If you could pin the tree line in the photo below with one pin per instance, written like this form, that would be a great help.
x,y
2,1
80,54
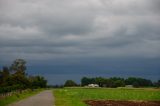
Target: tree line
x,y
14,77
114,82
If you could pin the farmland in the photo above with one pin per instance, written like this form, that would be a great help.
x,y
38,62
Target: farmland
x,y
77,96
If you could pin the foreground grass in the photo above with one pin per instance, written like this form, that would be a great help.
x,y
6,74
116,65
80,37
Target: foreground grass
x,y
17,97
76,96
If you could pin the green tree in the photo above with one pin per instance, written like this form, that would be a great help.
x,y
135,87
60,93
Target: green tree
x,y
157,84
130,80
85,81
100,81
15,78
37,82
109,83
119,83
19,66
70,83
4,75
138,82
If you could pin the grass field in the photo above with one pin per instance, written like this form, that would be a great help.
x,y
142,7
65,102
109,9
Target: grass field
x,y
17,97
76,96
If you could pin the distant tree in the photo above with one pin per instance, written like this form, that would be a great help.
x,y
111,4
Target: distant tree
x,y
19,66
37,82
130,80
119,83
6,71
4,74
15,78
85,81
138,82
109,83
70,83
18,76
104,82
100,81
1,77
157,84
116,78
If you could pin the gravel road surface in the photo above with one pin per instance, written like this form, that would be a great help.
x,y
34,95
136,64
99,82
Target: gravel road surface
x,y
44,98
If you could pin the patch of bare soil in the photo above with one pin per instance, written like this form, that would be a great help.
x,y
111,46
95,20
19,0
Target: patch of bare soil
x,y
121,103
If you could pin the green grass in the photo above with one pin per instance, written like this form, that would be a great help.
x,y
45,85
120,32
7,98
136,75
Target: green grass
x,y
76,96
17,97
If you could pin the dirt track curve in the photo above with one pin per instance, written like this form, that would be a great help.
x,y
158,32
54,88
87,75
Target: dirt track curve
x,y
44,98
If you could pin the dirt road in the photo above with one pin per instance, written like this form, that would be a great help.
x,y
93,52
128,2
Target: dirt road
x,y
44,98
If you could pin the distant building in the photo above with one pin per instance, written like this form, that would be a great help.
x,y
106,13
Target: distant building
x,y
129,86
93,85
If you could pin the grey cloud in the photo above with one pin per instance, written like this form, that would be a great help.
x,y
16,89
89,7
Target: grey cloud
x,y
83,28
74,38
56,18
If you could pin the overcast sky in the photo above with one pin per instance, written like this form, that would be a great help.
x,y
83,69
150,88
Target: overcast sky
x,y
68,39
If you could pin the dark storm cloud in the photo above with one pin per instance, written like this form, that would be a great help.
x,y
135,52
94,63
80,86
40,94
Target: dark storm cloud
x,y
76,31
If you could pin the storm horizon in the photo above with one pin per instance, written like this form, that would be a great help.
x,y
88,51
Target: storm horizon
x,y
70,39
